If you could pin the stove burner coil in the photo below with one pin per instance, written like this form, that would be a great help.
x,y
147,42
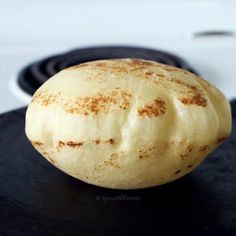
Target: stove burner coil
x,y
34,75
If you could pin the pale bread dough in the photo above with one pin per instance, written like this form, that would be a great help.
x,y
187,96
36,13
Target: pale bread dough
x,y
127,123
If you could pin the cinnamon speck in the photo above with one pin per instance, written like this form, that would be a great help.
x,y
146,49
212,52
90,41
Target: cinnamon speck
x,y
154,109
61,143
44,98
51,160
194,97
197,99
114,100
112,161
136,62
148,73
111,141
177,172
220,140
203,148
113,155
74,144
36,143
97,141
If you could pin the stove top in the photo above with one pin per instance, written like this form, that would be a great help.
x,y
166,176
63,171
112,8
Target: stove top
x,y
206,43
35,74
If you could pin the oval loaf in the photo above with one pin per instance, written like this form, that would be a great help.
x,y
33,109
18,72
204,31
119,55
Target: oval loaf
x,y
127,123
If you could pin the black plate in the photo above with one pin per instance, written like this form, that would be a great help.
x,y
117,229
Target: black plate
x,y
38,199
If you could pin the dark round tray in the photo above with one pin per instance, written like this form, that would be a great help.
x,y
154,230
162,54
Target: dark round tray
x,y
38,199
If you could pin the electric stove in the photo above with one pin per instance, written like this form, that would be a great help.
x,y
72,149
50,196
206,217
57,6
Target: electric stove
x,y
41,38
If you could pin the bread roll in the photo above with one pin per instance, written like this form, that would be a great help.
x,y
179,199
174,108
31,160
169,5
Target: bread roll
x,y
127,123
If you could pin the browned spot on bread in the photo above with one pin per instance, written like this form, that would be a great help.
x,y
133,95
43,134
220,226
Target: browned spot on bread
x,y
125,94
195,100
117,99
126,99
139,68
220,140
203,148
81,175
61,144
88,105
36,143
194,94
115,92
168,68
37,96
111,141
44,98
137,62
190,166
114,155
189,148
144,153
120,68
177,172
112,161
51,160
74,144
187,85
148,73
97,141
186,151
152,151
113,65
159,75
100,64
154,109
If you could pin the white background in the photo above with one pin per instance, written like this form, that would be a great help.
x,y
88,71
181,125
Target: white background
x,y
30,30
